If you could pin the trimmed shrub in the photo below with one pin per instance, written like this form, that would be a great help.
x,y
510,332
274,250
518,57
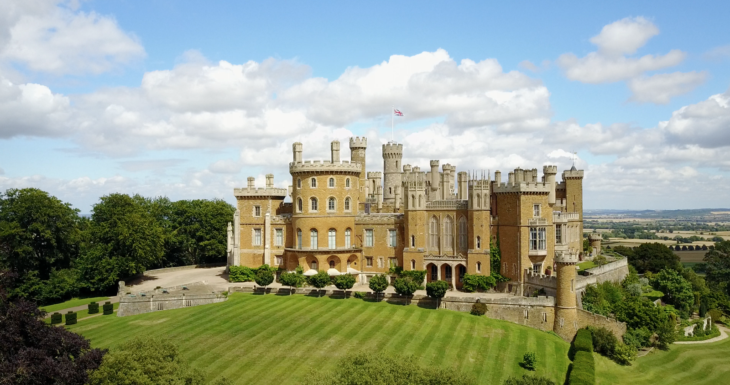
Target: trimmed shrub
x,y
378,284
70,318
478,309
108,308
638,338
583,341
474,282
529,380
604,342
584,369
359,295
56,318
93,308
437,290
241,274
345,281
623,354
529,360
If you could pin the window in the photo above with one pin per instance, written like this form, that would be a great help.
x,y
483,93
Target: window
x,y
299,239
392,262
536,268
312,204
347,182
462,272
462,233
347,204
313,239
299,183
369,238
479,267
433,236
313,182
380,261
479,242
413,241
331,206
392,238
332,182
390,190
413,264
332,239
299,205
448,233
313,265
257,211
479,200
413,201
347,238
434,273
279,238
279,260
332,264
535,210
572,287
537,238
559,234
257,237
447,271
369,261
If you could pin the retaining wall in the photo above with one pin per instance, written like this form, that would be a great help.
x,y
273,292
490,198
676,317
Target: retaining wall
x,y
129,305
586,318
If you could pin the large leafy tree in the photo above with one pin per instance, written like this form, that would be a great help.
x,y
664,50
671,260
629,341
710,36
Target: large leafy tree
x,y
33,352
718,266
676,289
123,239
198,230
653,257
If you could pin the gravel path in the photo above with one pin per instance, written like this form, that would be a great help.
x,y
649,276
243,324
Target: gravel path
x,y
722,336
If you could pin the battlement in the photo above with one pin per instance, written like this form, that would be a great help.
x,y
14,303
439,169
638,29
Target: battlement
x,y
324,166
595,237
562,217
375,175
407,168
522,187
392,148
549,169
539,279
480,184
358,142
572,174
450,204
434,163
260,192
568,257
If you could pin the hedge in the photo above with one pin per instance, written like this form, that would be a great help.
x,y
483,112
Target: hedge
x,y
93,308
70,318
584,369
108,308
474,282
583,341
56,318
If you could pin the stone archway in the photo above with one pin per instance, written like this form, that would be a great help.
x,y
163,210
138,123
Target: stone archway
x,y
460,271
333,262
432,273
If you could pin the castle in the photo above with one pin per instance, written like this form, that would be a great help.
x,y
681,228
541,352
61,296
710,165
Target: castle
x,y
345,220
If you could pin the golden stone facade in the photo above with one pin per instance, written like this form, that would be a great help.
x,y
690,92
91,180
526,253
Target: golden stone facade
x,y
342,219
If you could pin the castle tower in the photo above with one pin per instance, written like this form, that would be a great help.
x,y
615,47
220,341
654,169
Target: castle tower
x,y
415,219
566,313
297,151
392,157
479,223
573,182
549,173
434,195
595,241
335,148
358,146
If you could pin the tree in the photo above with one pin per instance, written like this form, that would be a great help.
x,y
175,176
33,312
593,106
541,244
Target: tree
x,y
378,284
653,257
264,276
345,282
291,279
146,361
529,361
676,289
405,286
123,240
33,352
437,290
196,230
320,280
717,266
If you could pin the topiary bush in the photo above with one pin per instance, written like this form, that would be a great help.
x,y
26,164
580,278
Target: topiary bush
x,y
359,295
529,361
479,309
70,318
583,370
93,308
56,318
108,308
583,341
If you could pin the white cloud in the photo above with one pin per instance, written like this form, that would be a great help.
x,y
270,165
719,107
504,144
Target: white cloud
x,y
624,36
33,110
595,68
705,123
54,37
718,53
661,88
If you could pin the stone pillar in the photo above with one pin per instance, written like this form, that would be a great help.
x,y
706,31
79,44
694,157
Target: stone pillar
x,y
251,183
435,179
462,190
335,147
438,272
453,278
566,313
269,180
297,150
549,172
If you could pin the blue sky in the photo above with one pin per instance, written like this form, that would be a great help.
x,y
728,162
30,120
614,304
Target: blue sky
x,y
188,98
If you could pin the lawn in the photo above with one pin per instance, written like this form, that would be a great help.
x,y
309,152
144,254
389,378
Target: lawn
x,y
73,303
280,339
682,364
586,265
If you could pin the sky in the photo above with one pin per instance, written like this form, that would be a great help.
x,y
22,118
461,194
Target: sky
x,y
186,99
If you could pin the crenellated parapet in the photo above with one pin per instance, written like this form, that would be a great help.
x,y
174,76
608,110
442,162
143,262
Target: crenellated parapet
x,y
566,257
379,218
522,187
261,192
563,217
392,151
539,279
572,174
318,166
358,142
375,175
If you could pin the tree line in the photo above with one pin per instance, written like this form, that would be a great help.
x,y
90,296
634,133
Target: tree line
x,y
58,253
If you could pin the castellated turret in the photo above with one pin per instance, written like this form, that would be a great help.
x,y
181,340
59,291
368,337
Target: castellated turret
x,y
392,157
549,173
479,193
358,146
414,190
566,315
297,150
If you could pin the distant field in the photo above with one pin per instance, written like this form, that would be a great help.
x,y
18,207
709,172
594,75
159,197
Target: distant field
x,y
73,303
279,339
682,364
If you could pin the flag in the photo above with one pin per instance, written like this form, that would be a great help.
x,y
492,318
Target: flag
x,y
397,112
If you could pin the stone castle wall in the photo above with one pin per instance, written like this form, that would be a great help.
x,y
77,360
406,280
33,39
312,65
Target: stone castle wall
x,y
586,318
156,302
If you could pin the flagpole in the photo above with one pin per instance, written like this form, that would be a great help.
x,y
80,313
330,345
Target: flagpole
x,y
392,117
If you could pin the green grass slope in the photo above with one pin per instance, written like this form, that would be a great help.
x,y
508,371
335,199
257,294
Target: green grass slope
x,y
682,364
73,303
280,339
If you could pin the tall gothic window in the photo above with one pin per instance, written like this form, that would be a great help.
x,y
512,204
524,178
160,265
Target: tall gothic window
x,y
332,182
347,204
299,239
347,238
331,204
299,204
433,234
313,204
332,239
462,233
347,182
313,239
537,238
448,232
313,182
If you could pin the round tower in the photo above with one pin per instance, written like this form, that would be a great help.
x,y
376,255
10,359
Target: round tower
x,y
566,313
595,241
358,146
392,157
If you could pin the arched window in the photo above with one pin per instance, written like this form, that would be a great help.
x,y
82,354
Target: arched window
x,y
347,182
332,182
331,204
332,239
313,239
413,264
479,267
299,239
462,272
413,201
479,201
420,201
397,164
332,264
448,232
299,205
479,242
313,265
313,182
347,204
347,238
462,233
299,183
434,233
390,190
313,204
413,241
